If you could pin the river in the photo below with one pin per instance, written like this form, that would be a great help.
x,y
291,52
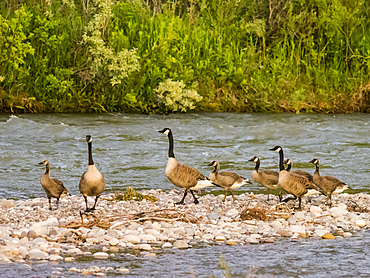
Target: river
x,y
129,151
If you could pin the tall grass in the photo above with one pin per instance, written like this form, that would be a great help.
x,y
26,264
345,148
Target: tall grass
x,y
242,56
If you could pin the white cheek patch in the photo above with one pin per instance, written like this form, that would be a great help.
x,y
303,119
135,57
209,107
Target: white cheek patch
x,y
278,149
90,140
255,160
167,131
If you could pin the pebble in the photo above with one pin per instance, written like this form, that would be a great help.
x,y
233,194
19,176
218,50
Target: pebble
x,y
38,231
328,236
180,244
101,255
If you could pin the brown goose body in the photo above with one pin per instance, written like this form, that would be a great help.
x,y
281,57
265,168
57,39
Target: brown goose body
x,y
292,183
329,184
301,173
226,179
181,175
52,187
92,182
268,178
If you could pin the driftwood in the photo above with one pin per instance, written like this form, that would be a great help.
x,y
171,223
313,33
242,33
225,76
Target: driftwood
x,y
89,220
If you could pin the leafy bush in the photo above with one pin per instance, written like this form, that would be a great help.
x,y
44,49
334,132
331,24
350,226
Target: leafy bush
x,y
172,96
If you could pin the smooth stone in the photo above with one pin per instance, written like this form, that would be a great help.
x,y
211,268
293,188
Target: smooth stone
x,y
315,210
123,270
220,238
180,244
297,229
31,234
151,255
69,259
113,241
338,211
284,233
167,245
328,236
7,203
347,234
208,236
74,269
145,247
37,254
252,240
55,258
148,238
101,255
268,240
361,223
132,238
231,242
300,215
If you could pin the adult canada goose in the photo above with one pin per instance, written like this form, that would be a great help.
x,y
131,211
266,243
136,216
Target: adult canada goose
x,y
268,178
328,184
226,180
312,188
181,175
92,181
291,182
53,187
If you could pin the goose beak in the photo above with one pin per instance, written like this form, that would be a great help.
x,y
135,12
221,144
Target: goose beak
x,y
40,163
251,159
210,164
311,161
271,149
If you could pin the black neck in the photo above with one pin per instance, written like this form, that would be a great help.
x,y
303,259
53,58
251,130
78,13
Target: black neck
x,y
257,165
170,149
289,167
217,167
47,169
91,161
281,162
317,168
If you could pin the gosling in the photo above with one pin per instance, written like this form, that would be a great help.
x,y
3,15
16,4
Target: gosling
x,y
226,180
53,187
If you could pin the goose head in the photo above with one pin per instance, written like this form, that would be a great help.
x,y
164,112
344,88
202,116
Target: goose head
x,y
213,163
44,162
288,162
314,161
254,159
88,138
166,131
276,149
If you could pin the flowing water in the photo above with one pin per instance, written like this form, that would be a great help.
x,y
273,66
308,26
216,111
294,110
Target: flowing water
x,y
129,151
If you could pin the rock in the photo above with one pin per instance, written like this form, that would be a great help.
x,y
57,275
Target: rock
x,y
23,252
347,234
151,255
361,223
167,245
101,255
113,241
180,244
132,238
7,203
145,247
252,240
284,233
55,258
148,238
231,242
297,229
123,270
328,236
315,210
37,254
73,269
338,211
300,215
31,234
220,238
208,236
268,240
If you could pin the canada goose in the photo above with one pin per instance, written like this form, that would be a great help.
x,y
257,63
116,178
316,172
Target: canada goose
x,y
181,175
312,188
328,184
291,182
92,181
53,187
226,180
268,178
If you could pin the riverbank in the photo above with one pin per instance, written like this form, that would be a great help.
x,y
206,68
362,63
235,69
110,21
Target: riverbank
x,y
29,231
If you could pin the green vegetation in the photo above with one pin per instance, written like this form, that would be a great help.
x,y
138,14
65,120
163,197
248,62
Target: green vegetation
x,y
163,56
